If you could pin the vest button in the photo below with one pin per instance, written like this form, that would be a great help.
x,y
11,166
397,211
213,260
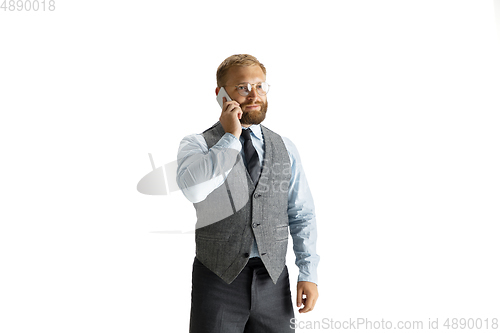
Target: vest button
x,y
257,195
254,225
246,255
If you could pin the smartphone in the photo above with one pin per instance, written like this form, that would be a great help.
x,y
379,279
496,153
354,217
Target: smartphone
x,y
222,93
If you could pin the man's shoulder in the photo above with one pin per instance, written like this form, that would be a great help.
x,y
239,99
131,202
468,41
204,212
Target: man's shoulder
x,y
288,143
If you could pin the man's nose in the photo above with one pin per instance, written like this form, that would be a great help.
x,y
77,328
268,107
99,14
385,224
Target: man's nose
x,y
253,93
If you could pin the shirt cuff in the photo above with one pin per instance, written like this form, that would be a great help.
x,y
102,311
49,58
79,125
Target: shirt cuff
x,y
228,140
308,273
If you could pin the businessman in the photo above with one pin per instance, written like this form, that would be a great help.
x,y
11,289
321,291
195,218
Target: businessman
x,y
250,192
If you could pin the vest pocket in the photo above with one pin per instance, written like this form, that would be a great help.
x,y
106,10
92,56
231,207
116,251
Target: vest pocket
x,y
212,237
281,232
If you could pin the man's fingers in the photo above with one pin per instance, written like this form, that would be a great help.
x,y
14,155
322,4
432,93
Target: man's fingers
x,y
299,297
305,308
310,292
309,304
230,106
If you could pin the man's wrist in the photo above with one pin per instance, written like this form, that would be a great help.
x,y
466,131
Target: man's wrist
x,y
307,281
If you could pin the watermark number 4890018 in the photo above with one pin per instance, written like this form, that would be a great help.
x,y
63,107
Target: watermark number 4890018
x,y
28,5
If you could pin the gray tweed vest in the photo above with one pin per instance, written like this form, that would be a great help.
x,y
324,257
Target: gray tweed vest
x,y
238,211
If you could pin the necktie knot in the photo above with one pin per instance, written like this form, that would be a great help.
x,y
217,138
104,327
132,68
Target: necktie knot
x,y
245,133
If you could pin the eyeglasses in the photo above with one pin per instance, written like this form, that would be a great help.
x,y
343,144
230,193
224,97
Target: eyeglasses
x,y
244,89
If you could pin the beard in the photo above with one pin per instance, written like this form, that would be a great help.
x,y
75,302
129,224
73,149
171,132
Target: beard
x,y
254,117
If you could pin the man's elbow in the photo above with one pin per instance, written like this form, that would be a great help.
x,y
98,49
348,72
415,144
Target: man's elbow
x,y
191,192
193,196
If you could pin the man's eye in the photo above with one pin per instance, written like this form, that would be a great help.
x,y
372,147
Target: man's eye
x,y
242,88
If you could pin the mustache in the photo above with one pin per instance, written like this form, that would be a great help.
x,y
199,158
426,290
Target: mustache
x,y
256,103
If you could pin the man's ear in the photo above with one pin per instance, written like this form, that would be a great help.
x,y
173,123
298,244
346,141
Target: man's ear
x,y
217,90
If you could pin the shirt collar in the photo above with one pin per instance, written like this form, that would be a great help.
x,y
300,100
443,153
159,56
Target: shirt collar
x,y
256,130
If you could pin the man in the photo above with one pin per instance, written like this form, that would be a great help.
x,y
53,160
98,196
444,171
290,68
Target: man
x,y
248,188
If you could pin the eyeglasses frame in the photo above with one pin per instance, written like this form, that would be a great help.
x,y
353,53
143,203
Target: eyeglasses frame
x,y
251,85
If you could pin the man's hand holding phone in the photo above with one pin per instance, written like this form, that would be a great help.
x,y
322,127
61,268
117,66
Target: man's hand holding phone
x,y
230,117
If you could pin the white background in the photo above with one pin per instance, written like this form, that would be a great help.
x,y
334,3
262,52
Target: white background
x,y
393,105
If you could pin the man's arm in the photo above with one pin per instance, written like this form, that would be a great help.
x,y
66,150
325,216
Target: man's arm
x,y
302,222
201,170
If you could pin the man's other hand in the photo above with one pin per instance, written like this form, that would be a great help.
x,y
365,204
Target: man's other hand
x,y
310,291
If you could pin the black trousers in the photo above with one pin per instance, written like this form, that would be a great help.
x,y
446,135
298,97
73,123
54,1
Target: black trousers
x,y
252,303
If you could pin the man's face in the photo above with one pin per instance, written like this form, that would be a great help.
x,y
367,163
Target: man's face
x,y
254,106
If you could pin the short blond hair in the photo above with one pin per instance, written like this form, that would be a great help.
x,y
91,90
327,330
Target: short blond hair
x,y
236,60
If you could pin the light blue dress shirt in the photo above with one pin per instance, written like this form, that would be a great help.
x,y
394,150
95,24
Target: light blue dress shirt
x,y
200,172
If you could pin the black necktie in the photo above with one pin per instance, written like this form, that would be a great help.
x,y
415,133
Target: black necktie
x,y
251,156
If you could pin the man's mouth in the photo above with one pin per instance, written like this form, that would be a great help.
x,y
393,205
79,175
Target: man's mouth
x,y
252,107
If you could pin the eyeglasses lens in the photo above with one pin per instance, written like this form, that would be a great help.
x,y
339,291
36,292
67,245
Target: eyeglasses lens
x,y
262,89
